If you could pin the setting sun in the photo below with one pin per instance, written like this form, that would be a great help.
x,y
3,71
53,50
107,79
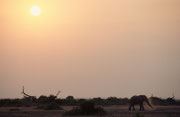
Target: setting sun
x,y
35,10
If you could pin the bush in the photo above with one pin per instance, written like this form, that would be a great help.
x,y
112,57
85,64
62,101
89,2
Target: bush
x,y
86,108
165,102
13,103
53,106
98,101
100,111
170,101
50,106
69,98
157,101
45,99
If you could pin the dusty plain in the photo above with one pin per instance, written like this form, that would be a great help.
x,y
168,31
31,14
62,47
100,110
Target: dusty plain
x,y
113,111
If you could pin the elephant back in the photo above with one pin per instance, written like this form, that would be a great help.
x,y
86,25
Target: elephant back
x,y
138,99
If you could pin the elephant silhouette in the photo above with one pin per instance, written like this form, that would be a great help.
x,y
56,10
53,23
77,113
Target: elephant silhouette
x,y
139,100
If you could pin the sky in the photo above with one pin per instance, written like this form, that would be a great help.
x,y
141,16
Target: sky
x,y
90,48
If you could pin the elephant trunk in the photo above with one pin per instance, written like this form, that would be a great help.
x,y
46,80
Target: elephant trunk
x,y
148,103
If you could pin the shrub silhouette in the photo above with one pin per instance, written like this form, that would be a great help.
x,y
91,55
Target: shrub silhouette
x,y
69,98
53,106
70,101
116,101
11,102
50,106
157,101
98,101
86,108
45,99
15,103
170,101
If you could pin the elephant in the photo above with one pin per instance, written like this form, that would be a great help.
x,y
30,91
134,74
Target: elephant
x,y
139,100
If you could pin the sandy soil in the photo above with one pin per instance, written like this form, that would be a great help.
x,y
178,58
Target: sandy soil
x,y
113,111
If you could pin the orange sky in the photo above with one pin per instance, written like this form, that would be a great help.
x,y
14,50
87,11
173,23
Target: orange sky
x,y
90,48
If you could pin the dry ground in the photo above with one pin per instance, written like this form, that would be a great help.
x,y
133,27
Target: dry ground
x,y
113,111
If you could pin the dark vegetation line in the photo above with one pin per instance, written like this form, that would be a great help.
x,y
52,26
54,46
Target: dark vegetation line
x,y
83,106
70,101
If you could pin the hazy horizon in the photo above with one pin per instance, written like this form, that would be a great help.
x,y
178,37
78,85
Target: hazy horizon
x,y
90,48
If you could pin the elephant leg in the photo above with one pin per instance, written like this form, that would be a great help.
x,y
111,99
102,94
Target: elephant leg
x,y
130,107
140,107
133,108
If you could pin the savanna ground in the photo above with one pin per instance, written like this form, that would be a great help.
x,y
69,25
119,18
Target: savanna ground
x,y
112,111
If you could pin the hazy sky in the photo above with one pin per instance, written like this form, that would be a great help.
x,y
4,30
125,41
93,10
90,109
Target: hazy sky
x,y
90,48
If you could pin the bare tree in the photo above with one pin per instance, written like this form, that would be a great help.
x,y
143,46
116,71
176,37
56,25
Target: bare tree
x,y
28,97
47,99
53,97
58,94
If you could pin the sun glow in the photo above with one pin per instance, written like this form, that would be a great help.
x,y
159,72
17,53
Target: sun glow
x,y
35,10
